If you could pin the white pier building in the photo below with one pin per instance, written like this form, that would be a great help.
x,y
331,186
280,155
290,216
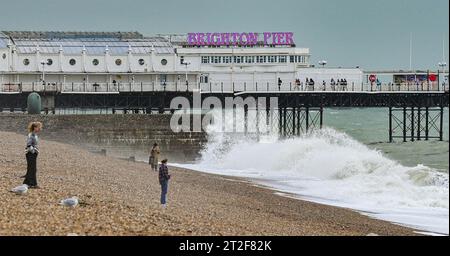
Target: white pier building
x,y
104,61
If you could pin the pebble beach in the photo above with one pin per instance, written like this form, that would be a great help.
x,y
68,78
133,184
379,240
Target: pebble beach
x,y
120,197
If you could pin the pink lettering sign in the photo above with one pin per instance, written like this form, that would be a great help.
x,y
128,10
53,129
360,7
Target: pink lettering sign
x,y
240,39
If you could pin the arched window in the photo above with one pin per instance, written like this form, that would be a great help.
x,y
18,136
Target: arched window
x,y
95,62
26,62
141,62
72,62
49,62
118,62
163,62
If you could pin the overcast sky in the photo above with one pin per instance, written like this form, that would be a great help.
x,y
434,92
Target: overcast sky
x,y
367,33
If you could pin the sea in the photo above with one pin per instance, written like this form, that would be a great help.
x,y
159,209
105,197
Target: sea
x,y
349,163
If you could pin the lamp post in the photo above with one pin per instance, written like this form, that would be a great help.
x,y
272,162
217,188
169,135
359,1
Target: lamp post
x,y
186,64
43,63
442,65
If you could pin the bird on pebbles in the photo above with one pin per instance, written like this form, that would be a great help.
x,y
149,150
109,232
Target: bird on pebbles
x,y
20,190
70,202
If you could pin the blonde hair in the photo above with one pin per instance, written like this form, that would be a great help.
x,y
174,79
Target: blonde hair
x,y
33,125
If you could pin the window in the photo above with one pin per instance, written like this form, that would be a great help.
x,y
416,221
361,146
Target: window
x,y
204,79
95,62
118,62
226,59
205,59
181,60
4,55
141,62
292,59
272,59
249,59
163,62
26,62
163,79
238,59
282,59
49,62
261,59
216,59
72,62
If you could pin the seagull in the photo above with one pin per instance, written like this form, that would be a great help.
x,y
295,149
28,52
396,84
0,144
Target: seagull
x,y
20,190
71,202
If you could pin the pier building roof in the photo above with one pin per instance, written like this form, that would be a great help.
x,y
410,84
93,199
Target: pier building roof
x,y
115,43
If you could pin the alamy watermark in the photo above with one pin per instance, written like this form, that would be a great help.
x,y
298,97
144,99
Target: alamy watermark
x,y
237,115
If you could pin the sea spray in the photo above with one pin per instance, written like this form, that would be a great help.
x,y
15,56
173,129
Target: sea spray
x,y
330,167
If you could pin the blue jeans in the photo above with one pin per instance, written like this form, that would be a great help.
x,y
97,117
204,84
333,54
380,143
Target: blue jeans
x,y
164,188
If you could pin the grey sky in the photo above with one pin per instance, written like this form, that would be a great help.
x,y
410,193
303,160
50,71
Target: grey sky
x,y
371,34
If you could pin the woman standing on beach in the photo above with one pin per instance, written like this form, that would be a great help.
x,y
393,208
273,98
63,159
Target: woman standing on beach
x,y
32,152
154,157
164,178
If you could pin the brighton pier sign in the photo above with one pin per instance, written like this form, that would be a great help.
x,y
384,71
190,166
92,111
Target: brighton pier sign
x,y
245,39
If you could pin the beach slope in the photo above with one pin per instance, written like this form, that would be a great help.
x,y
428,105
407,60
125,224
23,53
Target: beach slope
x,y
118,197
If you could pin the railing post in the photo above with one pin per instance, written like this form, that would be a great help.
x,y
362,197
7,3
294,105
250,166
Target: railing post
x,y
245,86
32,86
267,86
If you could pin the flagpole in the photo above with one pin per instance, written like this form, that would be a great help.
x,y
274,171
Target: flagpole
x,y
410,52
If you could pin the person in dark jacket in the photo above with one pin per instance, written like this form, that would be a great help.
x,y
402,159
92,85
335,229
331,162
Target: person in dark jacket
x,y
164,178
32,152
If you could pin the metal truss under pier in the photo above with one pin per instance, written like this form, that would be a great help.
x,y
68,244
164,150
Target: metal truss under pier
x,y
413,115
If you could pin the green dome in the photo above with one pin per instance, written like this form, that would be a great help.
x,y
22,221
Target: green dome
x,y
34,104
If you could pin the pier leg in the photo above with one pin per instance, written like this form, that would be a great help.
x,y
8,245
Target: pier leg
x,y
390,125
418,124
269,121
257,121
427,114
321,117
294,123
245,119
280,121
404,124
412,124
441,124
307,119
285,122
299,110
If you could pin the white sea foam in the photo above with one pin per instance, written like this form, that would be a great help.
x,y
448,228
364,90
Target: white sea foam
x,y
332,168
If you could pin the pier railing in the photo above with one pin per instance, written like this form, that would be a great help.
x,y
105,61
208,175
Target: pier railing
x,y
214,87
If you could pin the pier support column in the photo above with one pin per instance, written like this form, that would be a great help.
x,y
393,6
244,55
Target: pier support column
x,y
390,125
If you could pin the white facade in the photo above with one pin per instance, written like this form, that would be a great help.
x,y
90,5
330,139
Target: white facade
x,y
74,60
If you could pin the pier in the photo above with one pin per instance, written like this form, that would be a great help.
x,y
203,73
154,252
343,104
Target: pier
x,y
413,114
